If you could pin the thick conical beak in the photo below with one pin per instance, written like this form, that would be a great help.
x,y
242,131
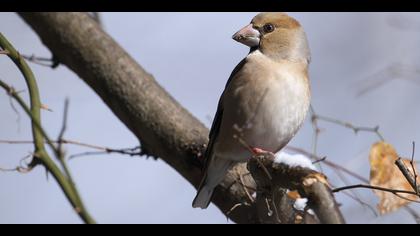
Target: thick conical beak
x,y
248,36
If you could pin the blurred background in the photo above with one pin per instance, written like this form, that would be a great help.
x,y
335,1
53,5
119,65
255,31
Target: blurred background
x,y
365,69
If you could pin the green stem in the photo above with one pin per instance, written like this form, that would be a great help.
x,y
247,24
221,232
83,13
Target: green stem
x,y
39,134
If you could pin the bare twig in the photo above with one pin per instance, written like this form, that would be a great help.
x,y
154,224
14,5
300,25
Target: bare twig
x,y
349,125
320,160
22,168
316,131
414,168
393,71
362,203
353,194
42,61
63,129
245,187
407,174
328,162
236,206
135,151
4,52
315,118
406,198
394,191
413,213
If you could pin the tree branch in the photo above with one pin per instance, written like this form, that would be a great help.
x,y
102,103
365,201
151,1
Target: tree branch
x,y
394,191
42,61
309,183
408,175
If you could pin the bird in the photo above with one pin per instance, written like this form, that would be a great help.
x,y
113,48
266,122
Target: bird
x,y
265,101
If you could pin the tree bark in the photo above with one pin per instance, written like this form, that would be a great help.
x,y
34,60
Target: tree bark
x,y
270,176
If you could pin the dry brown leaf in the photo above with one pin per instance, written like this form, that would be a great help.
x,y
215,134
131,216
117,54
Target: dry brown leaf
x,y
384,173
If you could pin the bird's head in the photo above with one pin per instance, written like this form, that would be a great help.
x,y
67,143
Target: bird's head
x,y
276,35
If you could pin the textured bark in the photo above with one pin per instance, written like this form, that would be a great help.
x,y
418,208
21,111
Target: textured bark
x,y
271,176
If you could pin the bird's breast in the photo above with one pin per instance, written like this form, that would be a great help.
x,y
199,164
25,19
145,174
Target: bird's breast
x,y
268,110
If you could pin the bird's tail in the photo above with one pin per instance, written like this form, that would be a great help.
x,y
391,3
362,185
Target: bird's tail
x,y
202,200
215,172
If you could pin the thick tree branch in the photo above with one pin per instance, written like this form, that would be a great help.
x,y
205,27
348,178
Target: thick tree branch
x,y
309,183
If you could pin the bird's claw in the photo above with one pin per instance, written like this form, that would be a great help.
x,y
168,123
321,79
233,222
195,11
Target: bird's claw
x,y
259,151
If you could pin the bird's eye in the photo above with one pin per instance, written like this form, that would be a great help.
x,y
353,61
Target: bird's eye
x,y
268,28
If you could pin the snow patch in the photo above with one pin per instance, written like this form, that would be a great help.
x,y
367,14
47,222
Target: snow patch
x,y
300,205
294,160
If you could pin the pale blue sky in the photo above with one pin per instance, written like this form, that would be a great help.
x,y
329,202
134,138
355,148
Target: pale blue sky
x,y
192,55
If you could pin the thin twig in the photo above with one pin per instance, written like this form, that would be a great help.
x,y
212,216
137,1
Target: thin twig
x,y
319,160
406,198
42,61
21,168
4,52
63,129
364,204
414,168
407,174
355,196
236,206
246,189
273,203
413,213
349,125
128,151
316,130
61,158
328,162
135,151
83,154
394,191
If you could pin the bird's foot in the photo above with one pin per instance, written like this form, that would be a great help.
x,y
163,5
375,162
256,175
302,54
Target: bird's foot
x,y
259,151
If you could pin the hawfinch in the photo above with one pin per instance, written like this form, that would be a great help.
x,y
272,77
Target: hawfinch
x,y
265,100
